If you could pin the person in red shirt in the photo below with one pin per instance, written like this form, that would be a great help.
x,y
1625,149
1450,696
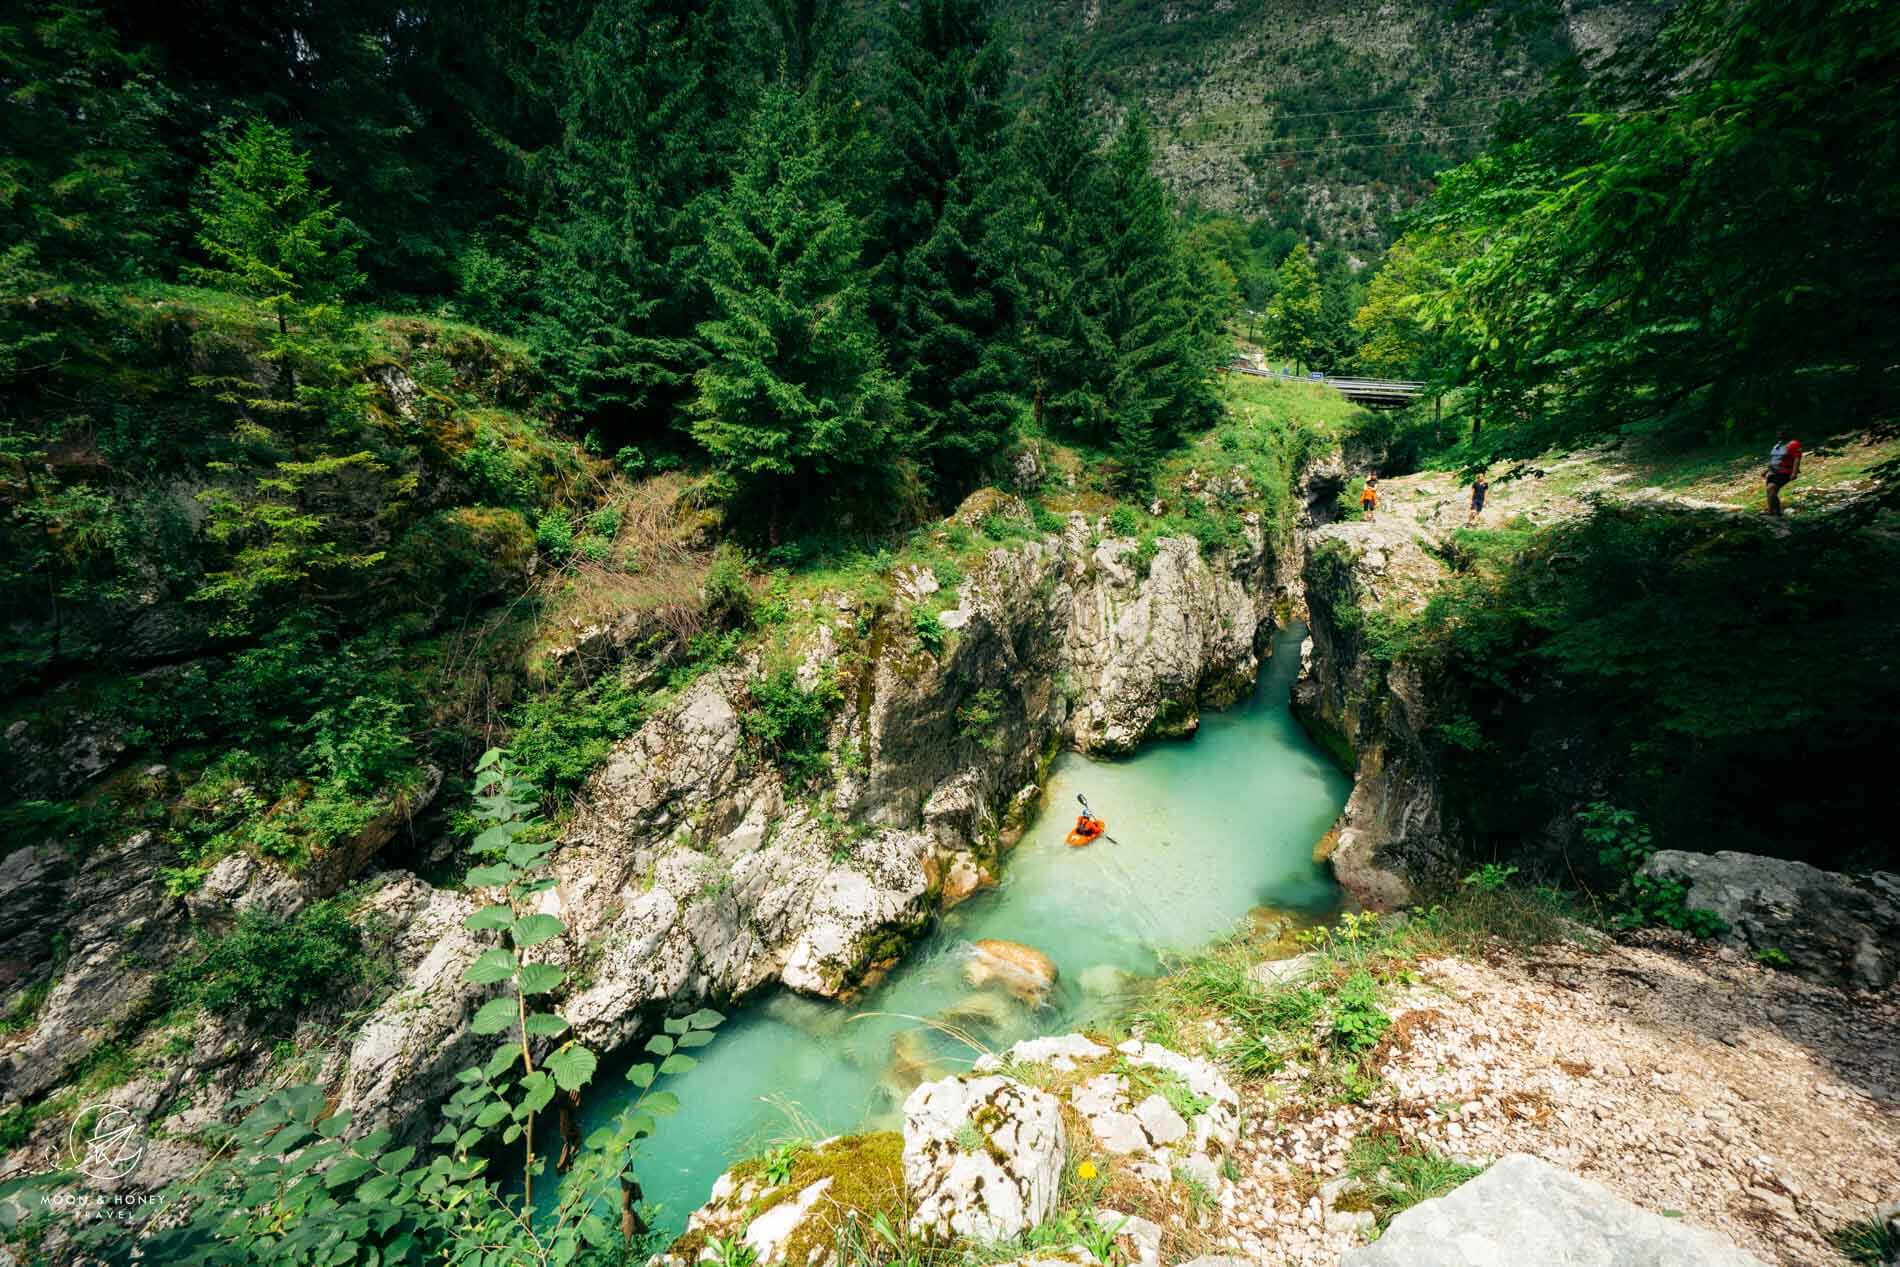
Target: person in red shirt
x,y
1784,463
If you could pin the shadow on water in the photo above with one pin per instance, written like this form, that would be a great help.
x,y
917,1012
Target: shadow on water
x,y
1209,829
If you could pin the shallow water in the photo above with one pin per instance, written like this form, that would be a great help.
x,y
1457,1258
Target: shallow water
x,y
1205,830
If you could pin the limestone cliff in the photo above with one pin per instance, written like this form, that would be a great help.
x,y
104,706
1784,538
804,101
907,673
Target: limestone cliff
x,y
693,870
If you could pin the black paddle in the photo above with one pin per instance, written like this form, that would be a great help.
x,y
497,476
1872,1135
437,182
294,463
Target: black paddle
x,y
1091,813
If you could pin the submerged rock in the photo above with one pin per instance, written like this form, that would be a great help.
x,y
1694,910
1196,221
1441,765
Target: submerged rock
x,y
1023,970
982,1157
1839,929
1523,1210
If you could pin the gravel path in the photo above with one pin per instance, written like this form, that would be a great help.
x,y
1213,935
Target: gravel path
x,y
1687,1079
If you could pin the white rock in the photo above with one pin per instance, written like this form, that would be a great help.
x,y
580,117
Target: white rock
x,y
998,1190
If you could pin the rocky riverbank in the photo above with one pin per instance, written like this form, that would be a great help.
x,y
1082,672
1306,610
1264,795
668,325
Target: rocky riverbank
x,y
694,868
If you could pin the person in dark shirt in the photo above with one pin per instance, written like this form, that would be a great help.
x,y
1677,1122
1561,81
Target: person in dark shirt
x,y
1479,487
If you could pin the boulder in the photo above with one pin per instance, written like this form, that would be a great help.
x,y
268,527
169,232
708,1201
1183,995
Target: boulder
x,y
1523,1210
1147,1118
1138,1239
796,1221
1064,1052
1023,970
1838,929
982,1157
1278,972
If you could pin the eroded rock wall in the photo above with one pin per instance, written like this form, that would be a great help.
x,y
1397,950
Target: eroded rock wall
x,y
693,869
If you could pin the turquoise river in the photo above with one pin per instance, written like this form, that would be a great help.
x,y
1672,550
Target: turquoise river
x,y
1206,830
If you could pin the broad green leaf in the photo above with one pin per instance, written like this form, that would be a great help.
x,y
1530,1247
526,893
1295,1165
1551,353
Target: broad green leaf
x,y
344,1171
494,965
705,1018
396,1160
660,1045
379,1188
495,875
540,978
640,1075
675,1025
505,1055
642,1125
491,1115
546,1025
497,916
698,1038
539,1089
496,1015
572,1066
677,1064
661,1103
532,930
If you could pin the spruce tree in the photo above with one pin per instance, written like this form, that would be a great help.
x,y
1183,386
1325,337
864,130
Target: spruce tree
x,y
795,393
1066,346
1293,314
649,127
1160,382
945,290
266,232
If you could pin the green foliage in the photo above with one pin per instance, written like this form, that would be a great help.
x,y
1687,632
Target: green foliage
x,y
1293,314
559,736
1678,644
292,1186
1124,521
925,623
787,723
650,100
271,967
795,395
977,717
1357,1023
1489,878
728,589
1869,1242
1664,191
1773,957
947,289
1394,1176
266,232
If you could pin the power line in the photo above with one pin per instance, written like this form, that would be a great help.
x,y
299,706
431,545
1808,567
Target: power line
x,y
1320,114
1445,134
1337,136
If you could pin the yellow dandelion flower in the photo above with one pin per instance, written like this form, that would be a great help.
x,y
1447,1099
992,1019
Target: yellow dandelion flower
x,y
1086,1170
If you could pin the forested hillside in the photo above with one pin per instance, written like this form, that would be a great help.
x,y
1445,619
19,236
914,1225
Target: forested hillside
x,y
754,436
1328,117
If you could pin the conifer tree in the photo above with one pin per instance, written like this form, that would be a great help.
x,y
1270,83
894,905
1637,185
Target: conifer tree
x,y
649,126
1160,381
1065,343
266,232
796,391
945,288
1293,314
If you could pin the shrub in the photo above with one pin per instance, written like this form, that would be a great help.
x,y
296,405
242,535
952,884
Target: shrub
x,y
268,966
977,716
1047,520
498,476
558,738
788,722
728,591
928,628
1123,521
554,534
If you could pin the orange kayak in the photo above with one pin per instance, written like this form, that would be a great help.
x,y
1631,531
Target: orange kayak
x,y
1086,832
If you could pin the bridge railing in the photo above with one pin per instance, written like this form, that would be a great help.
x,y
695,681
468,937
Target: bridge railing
x,y
1347,385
